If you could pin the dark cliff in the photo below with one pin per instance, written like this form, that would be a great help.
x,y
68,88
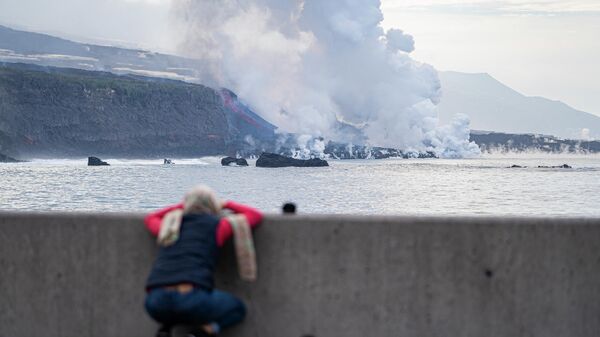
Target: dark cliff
x,y
59,112
506,142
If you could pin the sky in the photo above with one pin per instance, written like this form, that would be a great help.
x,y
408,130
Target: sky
x,y
543,48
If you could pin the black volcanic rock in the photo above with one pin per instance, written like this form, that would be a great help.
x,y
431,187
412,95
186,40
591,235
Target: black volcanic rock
x,y
94,161
422,155
564,166
273,160
7,159
227,161
345,151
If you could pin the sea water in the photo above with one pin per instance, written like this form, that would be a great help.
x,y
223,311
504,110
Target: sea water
x,y
483,186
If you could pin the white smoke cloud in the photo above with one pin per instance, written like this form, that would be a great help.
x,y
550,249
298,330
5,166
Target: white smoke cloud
x,y
585,134
452,141
307,146
311,66
397,40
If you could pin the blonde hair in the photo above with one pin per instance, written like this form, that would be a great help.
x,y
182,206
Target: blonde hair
x,y
199,200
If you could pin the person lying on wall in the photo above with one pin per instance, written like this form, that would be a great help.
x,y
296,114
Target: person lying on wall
x,y
180,287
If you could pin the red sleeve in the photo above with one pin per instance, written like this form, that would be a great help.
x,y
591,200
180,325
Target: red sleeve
x,y
154,219
224,230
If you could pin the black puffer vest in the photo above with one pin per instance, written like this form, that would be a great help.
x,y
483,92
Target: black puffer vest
x,y
192,258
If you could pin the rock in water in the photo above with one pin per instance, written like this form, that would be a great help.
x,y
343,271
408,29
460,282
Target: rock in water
x,y
564,166
94,161
227,161
275,160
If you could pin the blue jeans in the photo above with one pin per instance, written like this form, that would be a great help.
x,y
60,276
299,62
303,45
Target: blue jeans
x,y
198,307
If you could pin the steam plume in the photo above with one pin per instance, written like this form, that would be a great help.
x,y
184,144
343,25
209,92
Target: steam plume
x,y
320,68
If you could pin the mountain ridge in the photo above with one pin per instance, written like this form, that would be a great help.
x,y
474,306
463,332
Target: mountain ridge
x,y
494,106
46,50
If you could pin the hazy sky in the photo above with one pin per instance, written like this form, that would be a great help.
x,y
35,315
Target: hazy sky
x,y
546,48
541,48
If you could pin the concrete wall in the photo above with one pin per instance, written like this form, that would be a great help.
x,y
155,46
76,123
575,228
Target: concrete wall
x,y
83,275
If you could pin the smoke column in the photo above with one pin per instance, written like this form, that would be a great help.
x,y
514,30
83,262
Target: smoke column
x,y
324,68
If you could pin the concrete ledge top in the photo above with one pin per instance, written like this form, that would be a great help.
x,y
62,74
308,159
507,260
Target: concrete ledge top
x,y
349,218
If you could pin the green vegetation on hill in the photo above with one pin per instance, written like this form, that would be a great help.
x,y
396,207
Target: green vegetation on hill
x,y
7,159
50,112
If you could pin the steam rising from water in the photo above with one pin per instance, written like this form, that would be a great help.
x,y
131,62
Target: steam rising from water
x,y
323,68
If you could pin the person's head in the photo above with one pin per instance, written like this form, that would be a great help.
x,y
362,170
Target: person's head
x,y
201,200
289,208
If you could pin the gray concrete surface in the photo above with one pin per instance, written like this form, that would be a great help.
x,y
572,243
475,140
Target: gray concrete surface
x,y
83,275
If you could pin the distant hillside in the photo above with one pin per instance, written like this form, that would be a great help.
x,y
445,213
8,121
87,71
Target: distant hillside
x,y
505,142
495,107
42,49
58,112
